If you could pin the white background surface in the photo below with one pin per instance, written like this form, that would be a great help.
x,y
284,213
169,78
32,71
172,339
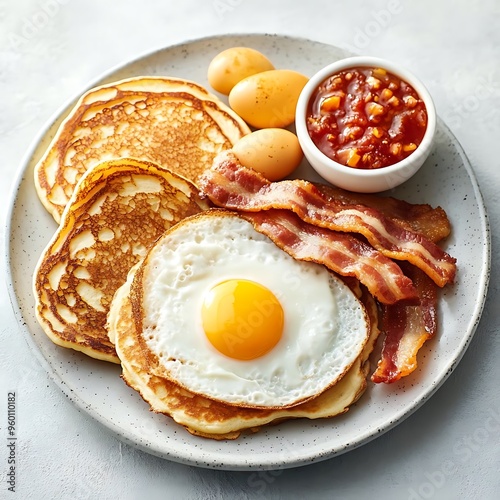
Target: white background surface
x,y
448,449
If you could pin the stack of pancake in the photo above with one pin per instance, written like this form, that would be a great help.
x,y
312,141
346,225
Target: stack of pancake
x,y
120,173
211,418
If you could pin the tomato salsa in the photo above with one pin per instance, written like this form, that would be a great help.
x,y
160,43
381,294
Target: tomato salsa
x,y
366,118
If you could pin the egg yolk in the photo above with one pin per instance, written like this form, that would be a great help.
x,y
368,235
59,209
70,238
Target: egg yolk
x,y
242,319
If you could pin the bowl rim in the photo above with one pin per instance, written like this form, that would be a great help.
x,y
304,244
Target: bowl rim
x,y
365,61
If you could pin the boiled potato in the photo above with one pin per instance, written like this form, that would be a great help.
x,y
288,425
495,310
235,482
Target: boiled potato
x,y
268,99
233,65
274,152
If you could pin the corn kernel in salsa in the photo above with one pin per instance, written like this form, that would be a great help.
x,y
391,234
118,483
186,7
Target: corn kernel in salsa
x,y
366,118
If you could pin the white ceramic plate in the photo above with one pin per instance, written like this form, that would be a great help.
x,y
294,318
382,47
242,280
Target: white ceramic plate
x,y
446,179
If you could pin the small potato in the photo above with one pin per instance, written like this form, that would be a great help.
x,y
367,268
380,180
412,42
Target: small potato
x,y
233,65
274,152
268,99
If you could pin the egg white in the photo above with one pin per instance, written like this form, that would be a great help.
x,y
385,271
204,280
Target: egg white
x,y
325,326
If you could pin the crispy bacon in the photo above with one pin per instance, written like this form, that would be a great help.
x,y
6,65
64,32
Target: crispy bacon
x,y
406,329
228,184
342,253
430,222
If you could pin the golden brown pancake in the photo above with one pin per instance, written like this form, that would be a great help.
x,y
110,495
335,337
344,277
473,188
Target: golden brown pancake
x,y
211,419
175,123
118,209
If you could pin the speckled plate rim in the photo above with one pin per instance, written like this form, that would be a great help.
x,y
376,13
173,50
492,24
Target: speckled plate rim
x,y
230,460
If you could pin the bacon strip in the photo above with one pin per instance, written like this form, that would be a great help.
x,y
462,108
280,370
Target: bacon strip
x,y
230,185
430,222
406,329
343,253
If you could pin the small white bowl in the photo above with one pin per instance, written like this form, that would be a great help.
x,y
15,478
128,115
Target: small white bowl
x,y
357,179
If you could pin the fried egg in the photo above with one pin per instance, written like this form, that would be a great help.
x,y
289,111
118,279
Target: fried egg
x,y
232,317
